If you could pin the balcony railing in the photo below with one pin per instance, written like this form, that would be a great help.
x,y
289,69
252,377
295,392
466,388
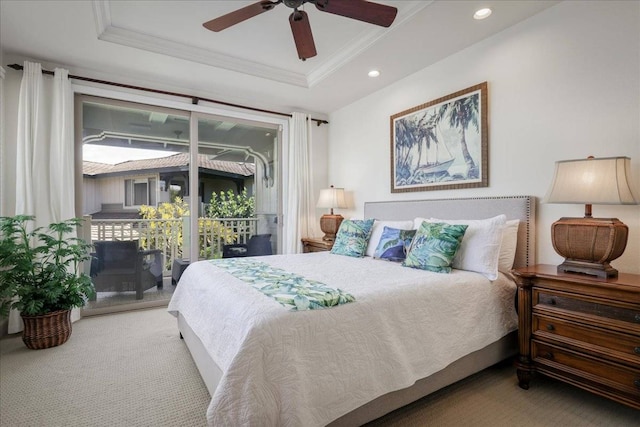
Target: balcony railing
x,y
168,234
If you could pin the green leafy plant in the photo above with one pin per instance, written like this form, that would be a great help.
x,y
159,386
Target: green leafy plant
x,y
164,228
39,268
165,231
231,205
210,231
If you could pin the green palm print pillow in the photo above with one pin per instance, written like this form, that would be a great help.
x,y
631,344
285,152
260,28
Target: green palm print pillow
x,y
434,246
353,237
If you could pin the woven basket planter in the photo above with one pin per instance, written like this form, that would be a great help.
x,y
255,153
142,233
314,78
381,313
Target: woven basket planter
x,y
47,330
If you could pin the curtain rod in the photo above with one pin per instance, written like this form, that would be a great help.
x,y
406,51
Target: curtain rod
x,y
194,99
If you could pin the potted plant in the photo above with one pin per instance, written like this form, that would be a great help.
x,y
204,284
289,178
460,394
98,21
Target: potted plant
x,y
39,277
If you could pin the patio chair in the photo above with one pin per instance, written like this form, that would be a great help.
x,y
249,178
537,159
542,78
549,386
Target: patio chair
x,y
258,244
121,266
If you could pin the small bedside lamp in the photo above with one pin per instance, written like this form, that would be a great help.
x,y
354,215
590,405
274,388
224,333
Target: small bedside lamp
x,y
590,244
331,198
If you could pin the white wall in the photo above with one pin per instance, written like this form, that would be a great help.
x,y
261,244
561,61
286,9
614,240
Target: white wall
x,y
92,197
319,167
564,84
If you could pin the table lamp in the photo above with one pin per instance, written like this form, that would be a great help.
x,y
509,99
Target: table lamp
x,y
329,223
589,244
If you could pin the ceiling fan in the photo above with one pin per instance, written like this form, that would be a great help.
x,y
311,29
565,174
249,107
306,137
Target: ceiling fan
x,y
361,10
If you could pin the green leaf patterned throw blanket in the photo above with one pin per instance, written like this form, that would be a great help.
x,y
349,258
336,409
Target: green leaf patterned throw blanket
x,y
294,292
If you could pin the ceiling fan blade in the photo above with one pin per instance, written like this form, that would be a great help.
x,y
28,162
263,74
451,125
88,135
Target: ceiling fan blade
x,y
225,21
361,10
301,30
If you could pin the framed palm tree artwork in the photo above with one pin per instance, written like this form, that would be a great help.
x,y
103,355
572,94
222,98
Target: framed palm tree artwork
x,y
442,144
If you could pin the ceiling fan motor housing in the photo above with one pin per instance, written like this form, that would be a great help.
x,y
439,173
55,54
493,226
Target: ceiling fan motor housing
x,y
294,4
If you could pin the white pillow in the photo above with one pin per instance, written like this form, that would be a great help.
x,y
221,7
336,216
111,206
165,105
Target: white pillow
x,y
378,228
508,245
417,222
480,247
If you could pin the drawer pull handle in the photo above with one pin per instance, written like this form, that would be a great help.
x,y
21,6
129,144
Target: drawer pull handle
x,y
637,318
549,355
552,301
637,383
636,350
550,327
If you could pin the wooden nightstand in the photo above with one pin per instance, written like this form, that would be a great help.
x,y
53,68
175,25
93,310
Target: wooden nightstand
x,y
580,329
315,244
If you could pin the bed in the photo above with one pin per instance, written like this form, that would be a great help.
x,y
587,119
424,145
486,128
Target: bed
x,y
408,333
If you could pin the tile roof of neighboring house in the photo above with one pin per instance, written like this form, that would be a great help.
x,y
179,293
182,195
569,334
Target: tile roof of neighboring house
x,y
177,160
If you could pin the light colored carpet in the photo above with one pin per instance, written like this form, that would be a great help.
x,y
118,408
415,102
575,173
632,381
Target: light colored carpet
x,y
492,398
126,369
131,369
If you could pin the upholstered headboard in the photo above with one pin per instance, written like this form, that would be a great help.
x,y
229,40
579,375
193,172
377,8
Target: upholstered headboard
x,y
514,207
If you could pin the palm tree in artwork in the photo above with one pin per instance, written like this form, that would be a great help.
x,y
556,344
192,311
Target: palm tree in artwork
x,y
405,138
428,135
462,113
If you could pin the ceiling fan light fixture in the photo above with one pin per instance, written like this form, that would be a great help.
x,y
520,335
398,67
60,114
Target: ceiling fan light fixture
x,y
373,73
482,13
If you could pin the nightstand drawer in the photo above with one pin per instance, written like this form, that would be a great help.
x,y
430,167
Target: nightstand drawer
x,y
597,341
578,284
580,366
581,305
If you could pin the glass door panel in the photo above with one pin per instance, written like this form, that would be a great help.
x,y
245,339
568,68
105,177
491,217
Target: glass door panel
x,y
237,187
135,171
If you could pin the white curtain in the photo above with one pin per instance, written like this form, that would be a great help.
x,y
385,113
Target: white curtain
x,y
299,217
61,160
32,147
45,153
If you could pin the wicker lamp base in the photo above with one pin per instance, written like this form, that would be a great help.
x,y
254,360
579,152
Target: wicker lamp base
x,y
330,224
589,244
47,330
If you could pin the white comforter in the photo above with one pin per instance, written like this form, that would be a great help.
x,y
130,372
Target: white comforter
x,y
309,368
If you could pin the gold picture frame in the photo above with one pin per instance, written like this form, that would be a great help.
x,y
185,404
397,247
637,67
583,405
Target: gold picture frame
x,y
442,144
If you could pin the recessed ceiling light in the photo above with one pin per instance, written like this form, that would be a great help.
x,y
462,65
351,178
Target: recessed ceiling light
x,y
374,73
482,13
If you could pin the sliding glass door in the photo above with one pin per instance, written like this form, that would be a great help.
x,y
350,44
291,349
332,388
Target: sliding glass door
x,y
161,187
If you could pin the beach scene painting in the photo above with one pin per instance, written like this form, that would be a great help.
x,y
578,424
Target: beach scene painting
x,y
442,144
